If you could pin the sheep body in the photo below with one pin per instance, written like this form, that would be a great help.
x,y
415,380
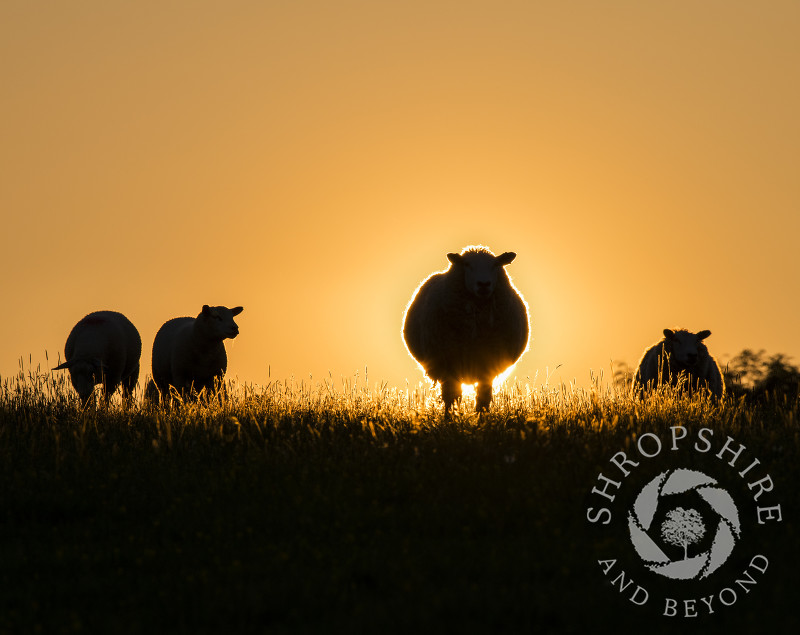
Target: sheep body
x,y
189,354
103,348
680,358
467,324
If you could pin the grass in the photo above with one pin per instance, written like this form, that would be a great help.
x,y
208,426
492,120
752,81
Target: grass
x,y
356,508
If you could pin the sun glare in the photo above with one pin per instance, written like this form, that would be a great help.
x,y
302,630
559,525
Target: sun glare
x,y
468,390
504,375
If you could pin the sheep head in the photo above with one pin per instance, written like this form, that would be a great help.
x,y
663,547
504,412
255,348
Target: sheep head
x,y
685,348
480,268
216,322
85,374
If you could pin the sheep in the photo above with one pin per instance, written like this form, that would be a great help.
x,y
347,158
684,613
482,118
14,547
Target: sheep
x,y
682,359
189,354
103,348
467,324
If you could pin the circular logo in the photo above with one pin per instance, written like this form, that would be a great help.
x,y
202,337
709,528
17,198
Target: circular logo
x,y
657,523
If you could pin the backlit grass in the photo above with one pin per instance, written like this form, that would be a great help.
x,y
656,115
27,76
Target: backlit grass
x,y
341,506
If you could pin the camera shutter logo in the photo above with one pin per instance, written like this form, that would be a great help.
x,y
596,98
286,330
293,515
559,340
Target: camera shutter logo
x,y
683,527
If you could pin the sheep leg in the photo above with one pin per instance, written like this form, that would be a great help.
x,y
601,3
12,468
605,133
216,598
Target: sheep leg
x,y
451,392
483,396
110,384
208,385
129,383
108,391
185,385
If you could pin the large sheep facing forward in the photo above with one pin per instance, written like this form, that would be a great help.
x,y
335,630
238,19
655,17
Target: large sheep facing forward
x,y
189,354
103,348
467,324
680,358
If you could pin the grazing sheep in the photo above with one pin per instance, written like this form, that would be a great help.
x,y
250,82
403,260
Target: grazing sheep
x,y
680,357
467,324
103,348
189,354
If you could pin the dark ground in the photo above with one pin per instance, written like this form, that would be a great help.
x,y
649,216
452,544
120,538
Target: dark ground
x,y
316,521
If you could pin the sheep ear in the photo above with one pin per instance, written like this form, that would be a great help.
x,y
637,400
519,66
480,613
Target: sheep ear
x,y
668,334
63,366
206,309
703,335
454,258
237,310
505,259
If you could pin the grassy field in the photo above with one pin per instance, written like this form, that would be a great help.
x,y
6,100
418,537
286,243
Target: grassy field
x,y
326,508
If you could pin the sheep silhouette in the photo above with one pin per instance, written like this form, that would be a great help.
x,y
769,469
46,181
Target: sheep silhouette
x,y
681,358
103,348
467,324
189,354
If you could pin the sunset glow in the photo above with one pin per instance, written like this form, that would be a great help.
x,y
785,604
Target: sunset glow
x,y
312,162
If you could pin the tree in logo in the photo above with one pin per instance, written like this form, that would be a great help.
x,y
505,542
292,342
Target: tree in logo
x,y
683,527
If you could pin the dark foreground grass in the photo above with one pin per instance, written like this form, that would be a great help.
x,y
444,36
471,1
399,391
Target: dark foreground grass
x,y
297,509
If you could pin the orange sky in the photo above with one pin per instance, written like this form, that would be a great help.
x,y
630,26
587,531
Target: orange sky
x,y
313,161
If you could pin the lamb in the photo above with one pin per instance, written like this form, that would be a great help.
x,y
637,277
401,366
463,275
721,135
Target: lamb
x,y
103,348
680,358
189,354
467,324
